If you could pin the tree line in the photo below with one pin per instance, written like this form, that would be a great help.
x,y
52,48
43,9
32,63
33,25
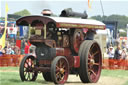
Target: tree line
x,y
121,19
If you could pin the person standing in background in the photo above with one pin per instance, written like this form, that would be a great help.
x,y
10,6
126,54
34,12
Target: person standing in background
x,y
111,56
117,54
26,49
123,58
17,50
123,54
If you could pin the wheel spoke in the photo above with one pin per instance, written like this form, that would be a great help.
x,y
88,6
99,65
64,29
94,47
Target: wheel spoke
x,y
29,75
93,72
57,68
63,66
92,47
57,73
60,63
25,65
30,62
57,77
32,74
60,76
96,64
25,73
90,56
95,53
25,69
27,62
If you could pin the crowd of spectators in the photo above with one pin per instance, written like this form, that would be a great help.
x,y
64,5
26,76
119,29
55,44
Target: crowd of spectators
x,y
15,50
9,50
117,54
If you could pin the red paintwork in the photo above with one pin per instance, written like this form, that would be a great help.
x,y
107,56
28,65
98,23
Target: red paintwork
x,y
59,51
46,62
67,53
76,61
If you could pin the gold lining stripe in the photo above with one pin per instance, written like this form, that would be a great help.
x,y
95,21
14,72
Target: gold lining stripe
x,y
81,26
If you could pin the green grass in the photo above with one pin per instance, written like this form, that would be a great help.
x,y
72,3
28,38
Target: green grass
x,y
115,73
13,78
9,68
126,83
123,74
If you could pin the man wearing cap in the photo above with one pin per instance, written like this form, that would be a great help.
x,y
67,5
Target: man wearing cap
x,y
111,56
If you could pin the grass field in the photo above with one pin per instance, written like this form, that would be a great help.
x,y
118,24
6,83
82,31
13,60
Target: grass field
x,y
10,76
123,74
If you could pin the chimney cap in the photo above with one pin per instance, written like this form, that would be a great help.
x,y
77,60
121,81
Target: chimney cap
x,y
46,12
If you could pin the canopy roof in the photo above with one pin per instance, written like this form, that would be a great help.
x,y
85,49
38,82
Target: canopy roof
x,y
64,22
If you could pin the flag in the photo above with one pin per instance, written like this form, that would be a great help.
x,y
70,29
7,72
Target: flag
x,y
89,4
2,40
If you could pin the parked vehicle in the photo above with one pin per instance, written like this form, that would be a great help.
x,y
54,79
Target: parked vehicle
x,y
114,34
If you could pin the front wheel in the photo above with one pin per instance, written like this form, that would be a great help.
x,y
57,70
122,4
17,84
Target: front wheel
x,y
59,70
26,70
90,61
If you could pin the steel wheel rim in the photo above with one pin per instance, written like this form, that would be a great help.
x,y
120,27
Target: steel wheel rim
x,y
61,71
94,62
28,69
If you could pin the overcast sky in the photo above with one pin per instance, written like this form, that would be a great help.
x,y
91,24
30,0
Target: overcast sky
x,y
56,6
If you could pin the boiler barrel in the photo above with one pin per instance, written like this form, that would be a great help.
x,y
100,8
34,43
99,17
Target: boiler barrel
x,y
69,13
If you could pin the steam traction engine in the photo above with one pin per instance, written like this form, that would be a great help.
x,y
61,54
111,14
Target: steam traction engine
x,y
63,46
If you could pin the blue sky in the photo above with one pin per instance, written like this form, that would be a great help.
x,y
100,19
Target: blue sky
x,y
36,6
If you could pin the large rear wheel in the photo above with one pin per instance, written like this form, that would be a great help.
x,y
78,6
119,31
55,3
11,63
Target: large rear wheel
x,y
59,70
90,61
76,40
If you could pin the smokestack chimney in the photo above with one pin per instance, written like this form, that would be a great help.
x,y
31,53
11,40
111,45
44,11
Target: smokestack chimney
x,y
70,13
